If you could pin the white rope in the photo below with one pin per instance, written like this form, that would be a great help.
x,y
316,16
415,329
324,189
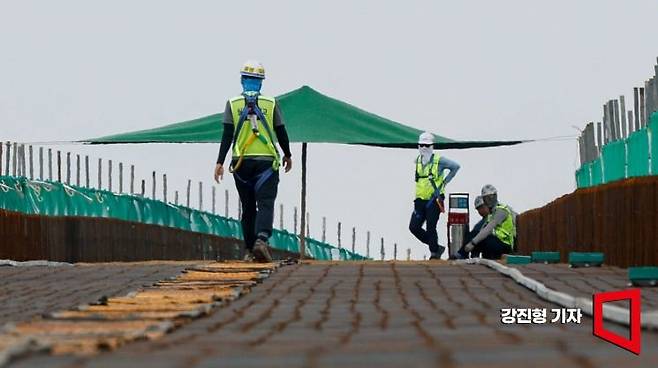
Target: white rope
x,y
610,312
9,262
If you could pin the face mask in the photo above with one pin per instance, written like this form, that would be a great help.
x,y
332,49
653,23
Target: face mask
x,y
251,84
425,154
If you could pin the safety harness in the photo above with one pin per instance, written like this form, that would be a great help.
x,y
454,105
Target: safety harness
x,y
252,112
436,196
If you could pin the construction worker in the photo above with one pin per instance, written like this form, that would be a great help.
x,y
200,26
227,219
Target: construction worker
x,y
484,213
252,125
497,236
430,193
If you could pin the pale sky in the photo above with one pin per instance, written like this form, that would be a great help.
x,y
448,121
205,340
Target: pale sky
x,y
473,70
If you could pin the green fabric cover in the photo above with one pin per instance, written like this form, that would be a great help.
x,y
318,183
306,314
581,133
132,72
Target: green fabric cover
x,y
583,176
597,172
614,160
310,117
653,131
57,199
638,153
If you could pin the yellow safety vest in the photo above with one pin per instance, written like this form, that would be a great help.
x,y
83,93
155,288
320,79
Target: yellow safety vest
x,y
506,231
425,174
257,147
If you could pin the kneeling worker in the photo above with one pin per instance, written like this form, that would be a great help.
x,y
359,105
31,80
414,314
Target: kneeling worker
x,y
484,212
430,189
497,236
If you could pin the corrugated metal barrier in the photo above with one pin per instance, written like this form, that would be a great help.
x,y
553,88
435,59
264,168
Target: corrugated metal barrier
x,y
619,219
93,239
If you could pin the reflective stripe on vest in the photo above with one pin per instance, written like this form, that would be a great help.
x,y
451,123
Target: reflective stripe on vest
x,y
506,231
424,187
258,147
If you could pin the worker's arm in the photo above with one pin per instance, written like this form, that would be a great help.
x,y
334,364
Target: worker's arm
x,y
227,136
447,164
498,217
281,134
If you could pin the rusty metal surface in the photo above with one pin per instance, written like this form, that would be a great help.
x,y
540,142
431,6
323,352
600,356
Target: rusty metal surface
x,y
619,219
88,239
404,314
148,313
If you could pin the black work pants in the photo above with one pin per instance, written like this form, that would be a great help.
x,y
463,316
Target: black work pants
x,y
428,213
257,197
491,248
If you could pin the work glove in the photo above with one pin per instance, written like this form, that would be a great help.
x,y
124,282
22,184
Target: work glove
x,y
469,247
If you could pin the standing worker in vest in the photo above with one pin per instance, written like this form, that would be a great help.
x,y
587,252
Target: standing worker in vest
x,y
251,121
497,236
430,193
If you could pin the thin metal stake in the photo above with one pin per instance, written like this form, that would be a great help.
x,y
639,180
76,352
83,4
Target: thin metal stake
x,y
153,186
164,188
77,170
14,159
40,163
68,168
50,164
59,166
109,175
324,229
214,199
353,239
200,196
189,189
100,173
132,179
86,171
226,203
31,162
120,177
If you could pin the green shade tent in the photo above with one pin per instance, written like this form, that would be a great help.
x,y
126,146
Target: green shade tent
x,y
310,117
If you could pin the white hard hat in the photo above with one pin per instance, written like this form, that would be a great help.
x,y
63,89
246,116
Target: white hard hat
x,y
426,138
488,190
478,202
253,68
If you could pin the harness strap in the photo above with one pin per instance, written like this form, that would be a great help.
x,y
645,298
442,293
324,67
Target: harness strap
x,y
257,181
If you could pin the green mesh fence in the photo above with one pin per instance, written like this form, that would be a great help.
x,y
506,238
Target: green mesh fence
x,y
638,153
614,160
597,172
583,176
653,132
57,199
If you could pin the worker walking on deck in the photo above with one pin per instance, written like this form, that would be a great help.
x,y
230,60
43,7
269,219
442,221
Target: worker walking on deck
x,y
484,212
498,235
430,190
252,125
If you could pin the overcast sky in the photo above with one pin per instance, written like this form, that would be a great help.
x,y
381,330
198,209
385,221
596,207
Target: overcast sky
x,y
475,70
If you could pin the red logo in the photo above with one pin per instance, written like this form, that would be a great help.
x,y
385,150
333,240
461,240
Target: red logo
x,y
633,344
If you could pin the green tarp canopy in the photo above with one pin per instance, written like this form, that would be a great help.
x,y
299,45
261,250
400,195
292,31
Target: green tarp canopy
x,y
310,117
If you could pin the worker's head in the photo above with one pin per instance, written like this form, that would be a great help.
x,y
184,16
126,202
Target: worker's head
x,y
489,195
482,209
426,144
252,73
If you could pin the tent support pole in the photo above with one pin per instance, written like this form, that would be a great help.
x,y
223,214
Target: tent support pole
x,y
302,230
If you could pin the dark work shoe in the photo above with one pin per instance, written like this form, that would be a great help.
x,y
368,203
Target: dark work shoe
x,y
261,252
248,256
